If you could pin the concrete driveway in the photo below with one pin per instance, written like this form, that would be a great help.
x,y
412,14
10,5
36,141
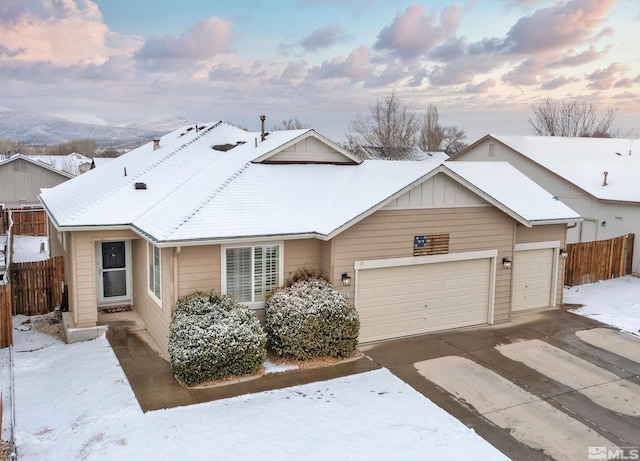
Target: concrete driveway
x,y
549,384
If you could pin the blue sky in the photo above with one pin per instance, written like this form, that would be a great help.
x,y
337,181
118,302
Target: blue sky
x,y
482,63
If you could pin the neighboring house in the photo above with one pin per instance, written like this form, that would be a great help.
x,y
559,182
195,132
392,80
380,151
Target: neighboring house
x,y
21,179
379,153
416,246
597,177
73,163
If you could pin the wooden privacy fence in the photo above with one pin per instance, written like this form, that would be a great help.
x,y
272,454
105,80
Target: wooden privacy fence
x,y
6,326
592,261
36,287
29,222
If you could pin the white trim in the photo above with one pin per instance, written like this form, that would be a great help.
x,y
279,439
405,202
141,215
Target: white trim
x,y
150,268
550,245
492,255
223,263
127,298
537,245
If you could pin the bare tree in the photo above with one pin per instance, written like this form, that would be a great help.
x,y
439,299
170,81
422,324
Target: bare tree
x,y
291,124
86,147
452,140
431,134
554,117
390,126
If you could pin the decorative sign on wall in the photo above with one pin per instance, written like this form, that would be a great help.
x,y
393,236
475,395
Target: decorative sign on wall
x,y
434,244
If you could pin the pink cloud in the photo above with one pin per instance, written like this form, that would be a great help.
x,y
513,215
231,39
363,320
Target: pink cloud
x,y
414,33
354,67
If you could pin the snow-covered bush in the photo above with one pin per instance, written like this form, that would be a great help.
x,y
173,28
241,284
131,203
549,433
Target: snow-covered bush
x,y
311,319
213,337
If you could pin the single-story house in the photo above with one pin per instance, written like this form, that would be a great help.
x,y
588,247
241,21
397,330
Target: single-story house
x,y
21,179
73,163
597,177
415,246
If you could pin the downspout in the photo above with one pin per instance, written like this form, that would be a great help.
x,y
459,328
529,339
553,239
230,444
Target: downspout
x,y
176,285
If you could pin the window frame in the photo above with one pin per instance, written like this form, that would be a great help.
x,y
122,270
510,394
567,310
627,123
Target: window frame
x,y
154,276
252,246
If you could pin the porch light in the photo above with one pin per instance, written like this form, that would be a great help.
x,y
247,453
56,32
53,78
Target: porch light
x,y
564,254
506,263
346,280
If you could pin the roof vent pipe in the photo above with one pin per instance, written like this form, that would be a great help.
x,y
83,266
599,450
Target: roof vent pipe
x,y
606,173
262,119
156,143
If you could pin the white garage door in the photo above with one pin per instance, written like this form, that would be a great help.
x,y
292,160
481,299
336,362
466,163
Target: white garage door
x,y
406,300
532,279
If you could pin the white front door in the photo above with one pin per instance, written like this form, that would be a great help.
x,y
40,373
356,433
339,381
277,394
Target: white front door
x,y
114,278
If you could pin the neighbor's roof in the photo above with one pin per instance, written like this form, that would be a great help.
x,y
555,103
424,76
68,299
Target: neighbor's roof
x,y
510,190
583,161
46,166
194,192
69,163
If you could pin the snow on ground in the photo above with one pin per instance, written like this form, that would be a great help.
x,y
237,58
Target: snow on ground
x,y
27,248
74,402
615,302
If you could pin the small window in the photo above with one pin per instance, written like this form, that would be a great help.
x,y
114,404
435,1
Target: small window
x,y
252,273
155,279
20,165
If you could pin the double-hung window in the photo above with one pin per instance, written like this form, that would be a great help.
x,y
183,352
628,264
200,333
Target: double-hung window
x,y
155,279
251,273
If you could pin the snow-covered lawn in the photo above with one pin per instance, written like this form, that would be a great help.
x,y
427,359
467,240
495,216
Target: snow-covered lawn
x,y
27,248
74,402
615,302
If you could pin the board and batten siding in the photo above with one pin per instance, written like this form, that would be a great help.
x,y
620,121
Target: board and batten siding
x,y
551,233
390,234
308,150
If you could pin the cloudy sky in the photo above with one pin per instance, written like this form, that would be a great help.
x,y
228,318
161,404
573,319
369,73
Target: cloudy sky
x,y
481,62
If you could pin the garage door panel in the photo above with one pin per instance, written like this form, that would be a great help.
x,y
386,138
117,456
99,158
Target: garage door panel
x,y
533,278
414,299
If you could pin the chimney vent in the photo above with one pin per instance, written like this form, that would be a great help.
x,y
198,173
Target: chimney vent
x,y
140,186
156,143
606,173
262,119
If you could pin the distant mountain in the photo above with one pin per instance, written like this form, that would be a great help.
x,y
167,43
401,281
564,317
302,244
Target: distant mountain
x,y
47,130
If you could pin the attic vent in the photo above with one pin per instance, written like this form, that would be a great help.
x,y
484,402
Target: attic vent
x,y
140,186
223,147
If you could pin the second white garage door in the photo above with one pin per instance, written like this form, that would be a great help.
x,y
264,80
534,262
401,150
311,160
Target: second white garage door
x,y
411,299
533,279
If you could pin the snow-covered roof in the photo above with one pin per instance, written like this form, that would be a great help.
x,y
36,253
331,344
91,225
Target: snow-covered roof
x,y
71,163
187,191
378,153
33,161
512,191
583,161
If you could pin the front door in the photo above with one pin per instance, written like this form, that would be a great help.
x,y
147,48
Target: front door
x,y
113,272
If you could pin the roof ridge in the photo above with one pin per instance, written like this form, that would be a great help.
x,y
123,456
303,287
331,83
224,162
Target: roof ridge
x,y
151,166
210,197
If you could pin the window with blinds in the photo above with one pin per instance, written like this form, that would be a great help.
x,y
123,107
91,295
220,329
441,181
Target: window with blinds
x,y
252,273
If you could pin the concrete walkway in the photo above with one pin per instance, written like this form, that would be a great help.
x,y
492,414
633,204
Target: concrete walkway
x,y
155,387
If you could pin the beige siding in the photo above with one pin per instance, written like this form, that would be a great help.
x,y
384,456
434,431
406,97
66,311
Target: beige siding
x,y
301,254
199,269
551,233
157,317
389,234
438,191
309,150
16,185
83,295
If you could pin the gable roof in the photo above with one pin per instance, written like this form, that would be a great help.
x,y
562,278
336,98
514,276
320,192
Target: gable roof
x,y
583,161
32,161
187,192
511,191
